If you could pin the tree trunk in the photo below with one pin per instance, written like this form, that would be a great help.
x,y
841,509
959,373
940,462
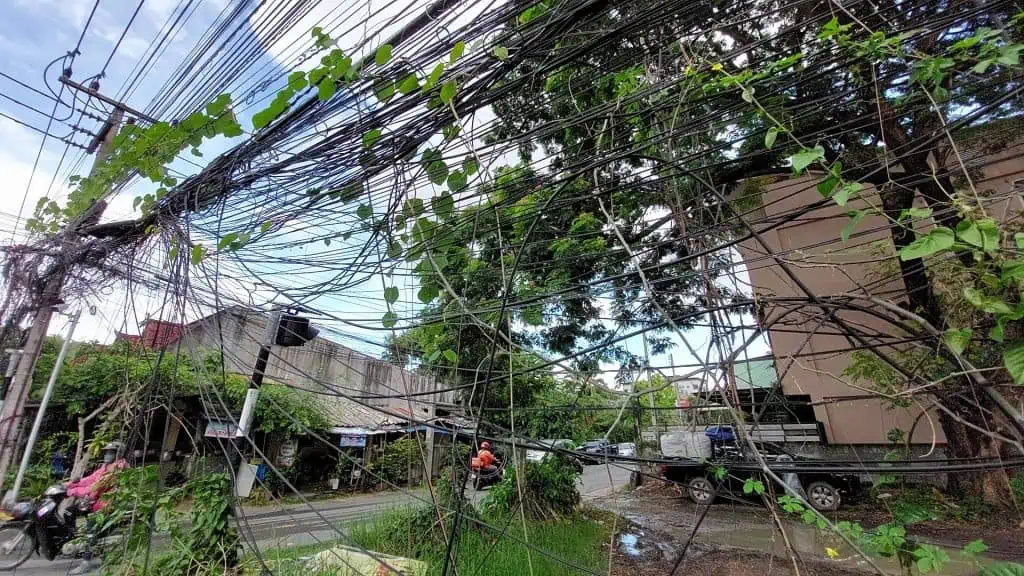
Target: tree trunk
x,y
959,444
992,486
962,441
81,461
82,457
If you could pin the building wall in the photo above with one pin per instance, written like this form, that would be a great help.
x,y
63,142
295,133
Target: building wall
x,y
319,366
827,267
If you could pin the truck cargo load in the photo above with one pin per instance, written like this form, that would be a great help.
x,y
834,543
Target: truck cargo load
x,y
684,444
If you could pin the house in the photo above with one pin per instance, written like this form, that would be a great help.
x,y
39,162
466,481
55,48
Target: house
x,y
156,334
321,366
376,407
846,411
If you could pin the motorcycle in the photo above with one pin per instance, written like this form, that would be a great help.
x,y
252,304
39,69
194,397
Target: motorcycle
x,y
45,529
481,479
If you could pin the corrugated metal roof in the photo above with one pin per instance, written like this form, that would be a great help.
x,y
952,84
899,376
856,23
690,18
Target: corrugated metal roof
x,y
344,412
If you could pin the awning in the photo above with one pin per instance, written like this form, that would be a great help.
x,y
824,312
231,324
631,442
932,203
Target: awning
x,y
352,431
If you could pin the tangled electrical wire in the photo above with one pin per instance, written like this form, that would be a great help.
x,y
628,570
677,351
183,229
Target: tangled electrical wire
x,y
585,176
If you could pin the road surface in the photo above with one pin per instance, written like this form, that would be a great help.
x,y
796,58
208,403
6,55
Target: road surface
x,y
296,524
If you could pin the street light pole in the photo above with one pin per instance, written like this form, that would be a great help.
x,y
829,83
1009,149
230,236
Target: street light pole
x,y
253,393
50,385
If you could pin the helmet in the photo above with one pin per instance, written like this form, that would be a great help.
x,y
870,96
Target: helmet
x,y
112,451
485,445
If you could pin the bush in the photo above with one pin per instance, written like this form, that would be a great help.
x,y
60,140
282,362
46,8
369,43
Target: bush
x,y
135,499
277,486
38,477
393,465
1017,486
211,544
548,487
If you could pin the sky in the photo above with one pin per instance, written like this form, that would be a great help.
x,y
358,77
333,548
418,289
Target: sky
x,y
33,33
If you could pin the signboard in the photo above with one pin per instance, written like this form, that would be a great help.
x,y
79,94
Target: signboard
x,y
683,402
219,429
286,456
351,441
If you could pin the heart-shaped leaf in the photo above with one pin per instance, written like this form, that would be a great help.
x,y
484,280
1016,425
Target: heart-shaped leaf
x,y
937,240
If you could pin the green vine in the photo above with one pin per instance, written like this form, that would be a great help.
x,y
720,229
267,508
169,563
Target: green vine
x,y
143,150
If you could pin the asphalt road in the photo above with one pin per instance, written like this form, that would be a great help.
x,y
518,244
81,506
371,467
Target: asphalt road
x,y
298,524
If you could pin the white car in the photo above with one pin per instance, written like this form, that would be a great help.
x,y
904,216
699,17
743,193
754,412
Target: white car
x,y
627,449
538,455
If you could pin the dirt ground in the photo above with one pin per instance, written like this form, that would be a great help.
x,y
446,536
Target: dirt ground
x,y
738,537
723,563
1003,532
657,552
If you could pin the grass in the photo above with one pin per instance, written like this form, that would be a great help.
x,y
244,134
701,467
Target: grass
x,y
480,553
1017,486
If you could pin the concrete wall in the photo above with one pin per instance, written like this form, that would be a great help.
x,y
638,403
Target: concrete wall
x,y
320,365
827,267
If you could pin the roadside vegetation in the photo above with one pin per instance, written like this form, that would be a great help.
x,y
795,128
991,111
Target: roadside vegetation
x,y
577,540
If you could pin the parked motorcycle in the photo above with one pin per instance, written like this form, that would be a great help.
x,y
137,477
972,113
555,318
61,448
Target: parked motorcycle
x,y
42,528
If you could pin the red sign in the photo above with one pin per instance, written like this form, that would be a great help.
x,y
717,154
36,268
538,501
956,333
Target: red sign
x,y
683,402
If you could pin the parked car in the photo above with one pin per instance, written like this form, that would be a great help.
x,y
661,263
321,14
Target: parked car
x,y
597,450
537,455
627,449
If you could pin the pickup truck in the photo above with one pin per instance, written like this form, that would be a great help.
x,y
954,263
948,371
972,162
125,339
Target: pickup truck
x,y
825,490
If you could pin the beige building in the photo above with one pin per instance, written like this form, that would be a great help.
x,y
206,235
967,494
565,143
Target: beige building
x,y
811,244
321,366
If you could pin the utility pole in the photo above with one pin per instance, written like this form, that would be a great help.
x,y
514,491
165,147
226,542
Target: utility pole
x,y
252,395
12,413
431,413
12,366
650,386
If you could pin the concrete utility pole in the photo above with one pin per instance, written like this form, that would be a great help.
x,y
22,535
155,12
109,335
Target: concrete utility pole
x,y
13,410
12,366
650,386
431,413
252,395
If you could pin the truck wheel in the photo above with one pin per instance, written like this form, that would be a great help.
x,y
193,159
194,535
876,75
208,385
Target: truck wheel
x,y
701,491
823,496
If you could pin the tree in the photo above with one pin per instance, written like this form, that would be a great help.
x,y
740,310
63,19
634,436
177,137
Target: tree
x,y
668,118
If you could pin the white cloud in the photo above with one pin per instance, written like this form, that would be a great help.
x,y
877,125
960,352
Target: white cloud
x,y
159,10
16,158
74,12
368,23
